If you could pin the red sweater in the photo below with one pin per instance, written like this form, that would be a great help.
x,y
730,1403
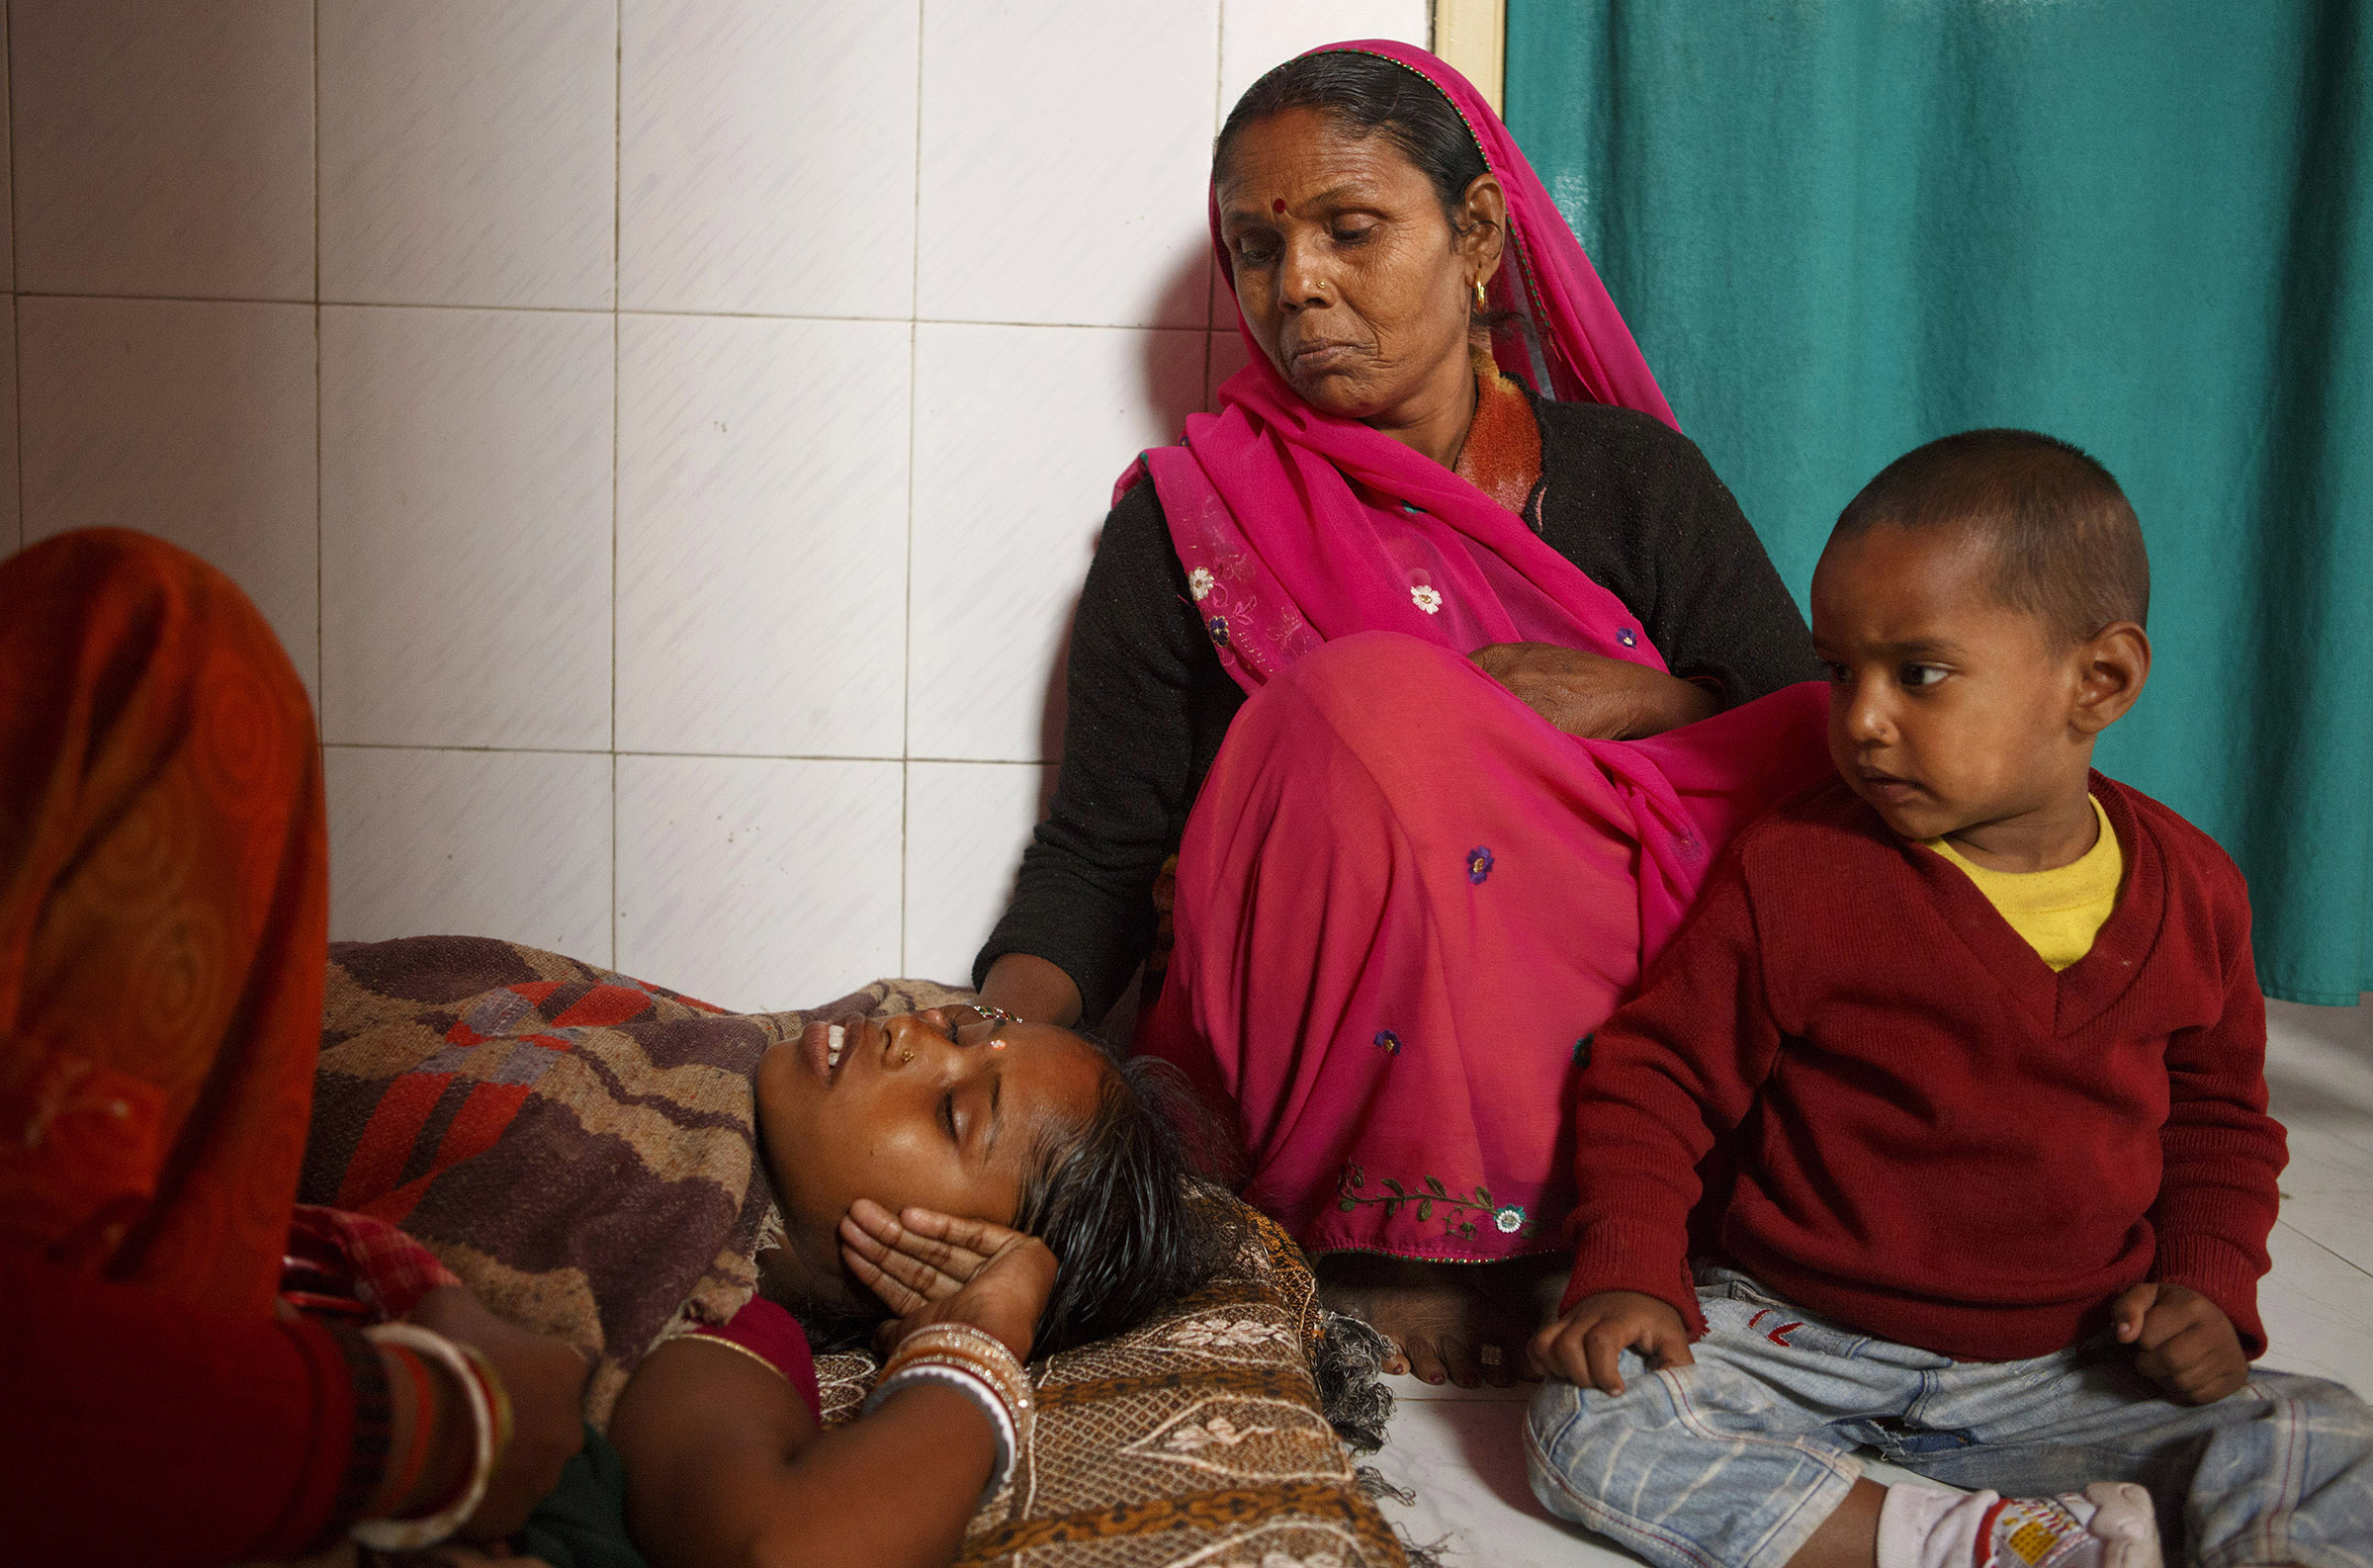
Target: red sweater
x,y
1923,1131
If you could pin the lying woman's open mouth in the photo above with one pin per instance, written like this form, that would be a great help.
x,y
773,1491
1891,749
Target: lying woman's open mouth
x,y
825,1046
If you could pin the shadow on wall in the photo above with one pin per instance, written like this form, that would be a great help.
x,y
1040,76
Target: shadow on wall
x,y
1189,279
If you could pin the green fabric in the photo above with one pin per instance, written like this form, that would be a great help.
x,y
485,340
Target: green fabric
x,y
1842,230
583,1523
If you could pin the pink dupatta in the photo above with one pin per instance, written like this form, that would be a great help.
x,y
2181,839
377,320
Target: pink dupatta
x,y
1297,527
1404,900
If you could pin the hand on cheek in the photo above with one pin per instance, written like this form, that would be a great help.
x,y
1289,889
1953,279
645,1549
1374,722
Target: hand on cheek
x,y
932,1268
911,1260
2182,1340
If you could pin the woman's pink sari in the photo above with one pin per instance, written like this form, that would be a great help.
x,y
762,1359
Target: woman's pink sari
x,y
1404,900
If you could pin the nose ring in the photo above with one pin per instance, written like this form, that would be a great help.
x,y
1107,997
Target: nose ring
x,y
906,1054
992,1011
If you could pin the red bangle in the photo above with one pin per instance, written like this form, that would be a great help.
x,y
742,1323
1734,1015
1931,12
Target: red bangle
x,y
424,1424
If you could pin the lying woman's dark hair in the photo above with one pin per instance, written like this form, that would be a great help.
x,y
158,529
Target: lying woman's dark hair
x,y
1116,1204
1367,95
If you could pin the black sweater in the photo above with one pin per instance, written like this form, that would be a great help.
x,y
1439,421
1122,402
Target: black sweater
x,y
1622,496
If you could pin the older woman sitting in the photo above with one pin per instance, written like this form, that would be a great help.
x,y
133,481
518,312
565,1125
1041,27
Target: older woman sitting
x,y
1444,693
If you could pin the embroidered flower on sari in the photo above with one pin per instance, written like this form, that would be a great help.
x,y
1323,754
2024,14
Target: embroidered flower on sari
x,y
1427,597
1626,636
1217,626
1388,1042
1199,582
1459,1214
1478,863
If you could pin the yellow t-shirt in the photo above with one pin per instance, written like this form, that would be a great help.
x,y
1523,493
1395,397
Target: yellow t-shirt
x,y
2059,910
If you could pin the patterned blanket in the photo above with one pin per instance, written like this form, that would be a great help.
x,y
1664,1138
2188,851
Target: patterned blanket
x,y
580,1149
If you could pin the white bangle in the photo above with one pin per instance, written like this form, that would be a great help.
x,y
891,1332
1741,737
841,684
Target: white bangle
x,y
977,1389
409,1534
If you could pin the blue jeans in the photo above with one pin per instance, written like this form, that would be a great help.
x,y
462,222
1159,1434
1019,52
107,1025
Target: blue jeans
x,y
1736,1461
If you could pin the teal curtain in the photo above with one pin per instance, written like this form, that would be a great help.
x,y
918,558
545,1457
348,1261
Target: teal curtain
x,y
1840,229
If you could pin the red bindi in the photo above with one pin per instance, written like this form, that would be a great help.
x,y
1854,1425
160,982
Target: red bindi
x,y
1278,206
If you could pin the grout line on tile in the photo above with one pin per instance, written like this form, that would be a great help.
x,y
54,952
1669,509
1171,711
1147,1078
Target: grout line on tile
x,y
558,309
906,686
495,750
166,299
692,756
321,569
617,350
315,23
1219,110
2320,1247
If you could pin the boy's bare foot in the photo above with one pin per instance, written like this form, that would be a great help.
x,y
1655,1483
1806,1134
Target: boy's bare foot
x,y
1463,1323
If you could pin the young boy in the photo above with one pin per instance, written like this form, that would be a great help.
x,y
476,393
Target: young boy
x,y
1964,1053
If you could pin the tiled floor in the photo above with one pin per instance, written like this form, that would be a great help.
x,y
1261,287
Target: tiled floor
x,y
1461,1452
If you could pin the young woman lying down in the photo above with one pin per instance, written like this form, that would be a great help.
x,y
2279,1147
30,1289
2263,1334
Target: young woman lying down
x,y
163,911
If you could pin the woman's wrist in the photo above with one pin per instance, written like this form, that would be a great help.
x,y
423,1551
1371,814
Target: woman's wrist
x,y
451,1428
432,1443
1033,987
1669,702
971,1362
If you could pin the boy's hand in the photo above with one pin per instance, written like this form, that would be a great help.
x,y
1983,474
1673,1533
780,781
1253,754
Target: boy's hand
x,y
2182,1340
1582,1346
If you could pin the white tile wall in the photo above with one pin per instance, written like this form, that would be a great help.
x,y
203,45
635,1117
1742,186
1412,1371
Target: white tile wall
x,y
512,843
676,458
164,147
1065,159
766,157
465,527
1260,34
761,535
757,883
8,200
190,420
966,826
469,151
1019,435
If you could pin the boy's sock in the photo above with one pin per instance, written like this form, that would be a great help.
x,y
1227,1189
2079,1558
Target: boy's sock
x,y
2108,1524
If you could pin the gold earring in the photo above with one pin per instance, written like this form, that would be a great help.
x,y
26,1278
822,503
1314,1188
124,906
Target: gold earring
x,y
1481,302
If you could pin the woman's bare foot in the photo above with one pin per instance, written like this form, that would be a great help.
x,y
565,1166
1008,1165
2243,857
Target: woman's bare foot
x,y
1464,1323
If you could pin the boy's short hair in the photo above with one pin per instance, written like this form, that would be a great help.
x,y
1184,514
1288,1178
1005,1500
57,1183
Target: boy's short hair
x,y
2066,545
